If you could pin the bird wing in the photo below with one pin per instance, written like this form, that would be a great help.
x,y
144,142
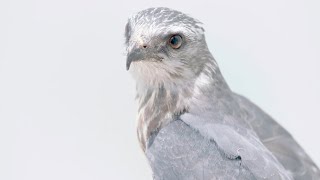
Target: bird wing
x,y
179,152
279,142
239,142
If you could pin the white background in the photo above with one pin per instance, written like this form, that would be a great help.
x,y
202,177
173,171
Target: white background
x,y
67,106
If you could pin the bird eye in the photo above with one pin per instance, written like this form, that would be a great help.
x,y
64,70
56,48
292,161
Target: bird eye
x,y
175,41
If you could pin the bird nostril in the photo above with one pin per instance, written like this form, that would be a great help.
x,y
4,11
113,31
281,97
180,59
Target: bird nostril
x,y
144,46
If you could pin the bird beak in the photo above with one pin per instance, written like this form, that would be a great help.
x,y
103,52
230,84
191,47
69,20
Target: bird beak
x,y
135,55
142,54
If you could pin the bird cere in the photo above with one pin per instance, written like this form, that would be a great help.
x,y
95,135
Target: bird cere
x,y
190,123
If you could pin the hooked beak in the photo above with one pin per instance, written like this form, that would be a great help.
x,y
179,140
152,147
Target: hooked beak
x,y
142,54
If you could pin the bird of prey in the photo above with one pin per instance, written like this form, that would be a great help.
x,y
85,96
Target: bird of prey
x,y
191,126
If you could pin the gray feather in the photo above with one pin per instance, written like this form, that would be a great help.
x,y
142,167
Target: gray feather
x,y
180,152
279,142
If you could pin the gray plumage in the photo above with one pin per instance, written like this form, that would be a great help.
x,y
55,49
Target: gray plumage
x,y
190,124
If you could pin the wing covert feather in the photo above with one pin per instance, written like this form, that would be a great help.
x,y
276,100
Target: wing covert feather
x,y
180,152
279,142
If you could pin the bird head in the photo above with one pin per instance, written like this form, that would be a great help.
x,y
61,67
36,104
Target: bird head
x,y
165,46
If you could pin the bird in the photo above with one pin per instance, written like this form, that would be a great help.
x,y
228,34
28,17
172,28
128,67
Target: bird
x,y
190,124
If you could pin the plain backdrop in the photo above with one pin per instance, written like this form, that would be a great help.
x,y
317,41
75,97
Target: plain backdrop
x,y
67,107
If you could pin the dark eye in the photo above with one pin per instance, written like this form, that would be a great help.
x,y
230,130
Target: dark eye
x,y
175,41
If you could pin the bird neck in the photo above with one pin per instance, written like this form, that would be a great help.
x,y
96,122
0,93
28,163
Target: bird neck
x,y
162,104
